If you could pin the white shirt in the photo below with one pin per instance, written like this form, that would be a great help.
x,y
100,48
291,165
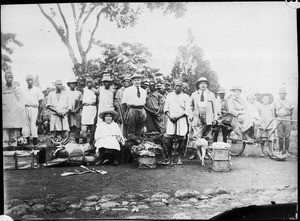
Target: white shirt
x,y
32,96
130,96
177,104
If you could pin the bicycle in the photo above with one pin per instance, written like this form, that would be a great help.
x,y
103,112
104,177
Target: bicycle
x,y
237,145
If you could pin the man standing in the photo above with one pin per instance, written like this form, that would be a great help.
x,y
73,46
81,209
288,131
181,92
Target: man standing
x,y
154,109
58,104
204,107
89,109
133,101
118,97
74,103
177,109
222,113
33,97
284,111
13,111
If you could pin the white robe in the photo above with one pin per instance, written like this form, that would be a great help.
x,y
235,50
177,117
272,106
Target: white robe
x,y
89,112
105,136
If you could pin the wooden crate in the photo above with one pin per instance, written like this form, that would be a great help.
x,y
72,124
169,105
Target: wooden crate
x,y
221,165
220,154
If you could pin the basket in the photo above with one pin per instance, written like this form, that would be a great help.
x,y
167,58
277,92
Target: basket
x,y
221,166
147,162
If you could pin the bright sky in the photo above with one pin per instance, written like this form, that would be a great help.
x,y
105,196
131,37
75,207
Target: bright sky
x,y
249,44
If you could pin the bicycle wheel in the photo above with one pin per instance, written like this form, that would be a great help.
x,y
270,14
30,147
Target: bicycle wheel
x,y
237,146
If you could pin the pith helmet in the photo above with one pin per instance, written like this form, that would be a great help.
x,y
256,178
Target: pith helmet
x,y
237,87
271,98
72,80
221,91
282,90
202,79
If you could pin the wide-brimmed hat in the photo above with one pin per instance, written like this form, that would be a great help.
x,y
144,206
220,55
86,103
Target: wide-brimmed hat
x,y
202,79
271,98
126,78
178,82
89,79
72,80
221,90
112,112
282,90
136,76
236,87
107,79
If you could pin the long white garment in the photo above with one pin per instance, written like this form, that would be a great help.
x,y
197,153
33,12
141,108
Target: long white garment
x,y
32,96
177,104
105,136
61,104
89,111
106,101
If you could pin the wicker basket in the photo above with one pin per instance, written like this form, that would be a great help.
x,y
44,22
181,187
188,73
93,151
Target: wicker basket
x,y
147,162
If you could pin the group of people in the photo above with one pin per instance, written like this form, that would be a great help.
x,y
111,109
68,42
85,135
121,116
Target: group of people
x,y
107,116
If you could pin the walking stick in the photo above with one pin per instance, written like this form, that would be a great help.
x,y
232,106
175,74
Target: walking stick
x,y
188,139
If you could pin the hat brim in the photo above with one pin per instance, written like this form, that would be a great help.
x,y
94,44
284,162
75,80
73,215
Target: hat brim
x,y
271,98
71,82
198,82
112,112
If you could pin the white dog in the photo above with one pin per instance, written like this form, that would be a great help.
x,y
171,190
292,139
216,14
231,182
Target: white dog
x,y
201,145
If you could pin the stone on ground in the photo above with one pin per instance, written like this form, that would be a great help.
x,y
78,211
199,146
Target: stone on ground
x,y
181,216
108,205
38,207
143,207
87,209
92,198
110,197
18,210
158,204
160,195
183,194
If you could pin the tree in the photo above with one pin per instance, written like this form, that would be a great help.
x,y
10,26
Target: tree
x,y
119,60
190,66
6,40
123,14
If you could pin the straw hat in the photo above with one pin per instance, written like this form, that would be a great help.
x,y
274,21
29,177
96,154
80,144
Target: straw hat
x,y
282,90
112,112
136,76
106,79
271,98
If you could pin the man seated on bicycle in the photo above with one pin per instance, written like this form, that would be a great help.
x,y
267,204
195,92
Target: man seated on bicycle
x,y
241,122
222,117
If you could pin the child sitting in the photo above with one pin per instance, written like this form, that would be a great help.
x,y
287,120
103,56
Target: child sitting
x,y
108,135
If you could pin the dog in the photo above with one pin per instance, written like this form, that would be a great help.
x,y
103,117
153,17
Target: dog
x,y
201,145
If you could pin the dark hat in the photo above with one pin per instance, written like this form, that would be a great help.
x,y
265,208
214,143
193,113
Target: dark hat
x,y
112,112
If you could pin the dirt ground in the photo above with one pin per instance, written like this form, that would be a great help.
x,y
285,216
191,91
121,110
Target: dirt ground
x,y
250,171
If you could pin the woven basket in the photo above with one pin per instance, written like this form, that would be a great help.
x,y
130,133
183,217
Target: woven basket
x,y
147,162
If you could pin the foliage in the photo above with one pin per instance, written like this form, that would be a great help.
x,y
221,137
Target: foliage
x,y
190,66
123,14
6,40
118,60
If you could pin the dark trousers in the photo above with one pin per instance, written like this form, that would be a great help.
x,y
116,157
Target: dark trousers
x,y
216,131
136,119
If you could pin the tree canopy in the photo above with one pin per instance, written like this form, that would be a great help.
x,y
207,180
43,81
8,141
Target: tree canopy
x,y
123,14
6,49
190,66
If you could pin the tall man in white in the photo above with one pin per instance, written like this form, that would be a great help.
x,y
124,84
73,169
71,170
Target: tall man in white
x,y
33,97
177,109
133,101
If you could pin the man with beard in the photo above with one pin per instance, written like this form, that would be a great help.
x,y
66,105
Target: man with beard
x,y
33,97
58,104
177,109
154,109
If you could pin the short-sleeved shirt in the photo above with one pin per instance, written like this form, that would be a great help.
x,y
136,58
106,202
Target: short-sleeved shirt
x,y
130,96
283,107
32,96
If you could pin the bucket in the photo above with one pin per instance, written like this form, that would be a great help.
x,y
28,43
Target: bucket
x,y
147,162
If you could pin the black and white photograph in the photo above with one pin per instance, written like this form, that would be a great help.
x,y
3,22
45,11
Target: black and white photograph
x,y
150,110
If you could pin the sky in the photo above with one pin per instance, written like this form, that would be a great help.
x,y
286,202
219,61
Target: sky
x,y
252,44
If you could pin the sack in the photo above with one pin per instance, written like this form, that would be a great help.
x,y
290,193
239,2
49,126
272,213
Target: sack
x,y
227,119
